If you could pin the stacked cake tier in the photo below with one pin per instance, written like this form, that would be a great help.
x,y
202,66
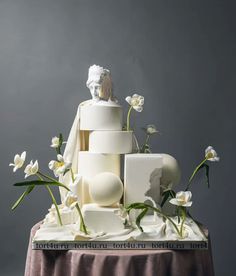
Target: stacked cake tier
x,y
100,117
106,142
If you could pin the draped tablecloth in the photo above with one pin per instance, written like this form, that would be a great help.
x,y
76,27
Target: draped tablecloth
x,y
118,262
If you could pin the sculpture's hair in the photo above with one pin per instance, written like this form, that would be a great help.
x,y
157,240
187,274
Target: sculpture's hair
x,y
106,89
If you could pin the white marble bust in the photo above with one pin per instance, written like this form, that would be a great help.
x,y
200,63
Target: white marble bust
x,y
100,84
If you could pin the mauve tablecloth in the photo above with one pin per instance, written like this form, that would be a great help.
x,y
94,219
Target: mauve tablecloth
x,y
118,263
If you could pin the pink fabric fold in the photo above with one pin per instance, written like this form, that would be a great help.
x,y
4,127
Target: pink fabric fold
x,y
118,262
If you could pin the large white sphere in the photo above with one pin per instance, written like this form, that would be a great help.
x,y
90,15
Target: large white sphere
x,y
171,171
106,189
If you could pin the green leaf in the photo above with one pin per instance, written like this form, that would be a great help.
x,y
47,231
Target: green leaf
x,y
178,213
60,140
20,199
136,205
166,195
41,183
58,149
207,174
147,150
139,218
66,171
172,193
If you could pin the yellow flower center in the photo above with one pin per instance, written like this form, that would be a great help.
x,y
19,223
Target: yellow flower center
x,y
134,102
209,155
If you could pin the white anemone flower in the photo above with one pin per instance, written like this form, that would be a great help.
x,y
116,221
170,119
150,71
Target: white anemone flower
x,y
31,168
211,154
60,166
136,101
70,200
19,161
182,199
55,142
151,129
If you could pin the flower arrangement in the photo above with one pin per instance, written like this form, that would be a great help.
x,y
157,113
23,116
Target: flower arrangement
x,y
59,167
181,199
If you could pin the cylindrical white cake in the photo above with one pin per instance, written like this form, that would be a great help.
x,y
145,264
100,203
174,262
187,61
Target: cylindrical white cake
x,y
91,163
111,142
100,117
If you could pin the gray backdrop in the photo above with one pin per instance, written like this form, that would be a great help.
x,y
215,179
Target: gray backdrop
x,y
179,54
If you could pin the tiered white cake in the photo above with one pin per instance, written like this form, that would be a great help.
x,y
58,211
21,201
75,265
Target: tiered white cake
x,y
94,147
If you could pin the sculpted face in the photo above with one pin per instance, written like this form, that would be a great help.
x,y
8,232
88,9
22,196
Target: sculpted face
x,y
95,89
100,84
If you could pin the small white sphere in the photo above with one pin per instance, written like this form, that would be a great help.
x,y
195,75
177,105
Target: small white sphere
x,y
106,189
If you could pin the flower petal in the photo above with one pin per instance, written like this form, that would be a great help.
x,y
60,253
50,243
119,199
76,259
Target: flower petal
x,y
35,167
128,99
174,201
23,155
141,101
188,204
17,158
60,158
67,166
138,108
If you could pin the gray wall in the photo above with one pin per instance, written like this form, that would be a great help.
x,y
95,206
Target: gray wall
x,y
179,54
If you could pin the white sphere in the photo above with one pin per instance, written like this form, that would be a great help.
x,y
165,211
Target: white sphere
x,y
171,171
106,189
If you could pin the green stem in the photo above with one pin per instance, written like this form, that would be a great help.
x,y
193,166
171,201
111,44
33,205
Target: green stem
x,y
145,143
72,175
147,139
58,150
183,211
55,204
194,172
52,196
128,118
47,176
136,142
82,224
52,179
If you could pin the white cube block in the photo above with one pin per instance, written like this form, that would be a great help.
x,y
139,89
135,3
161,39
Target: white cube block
x,y
142,175
102,219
